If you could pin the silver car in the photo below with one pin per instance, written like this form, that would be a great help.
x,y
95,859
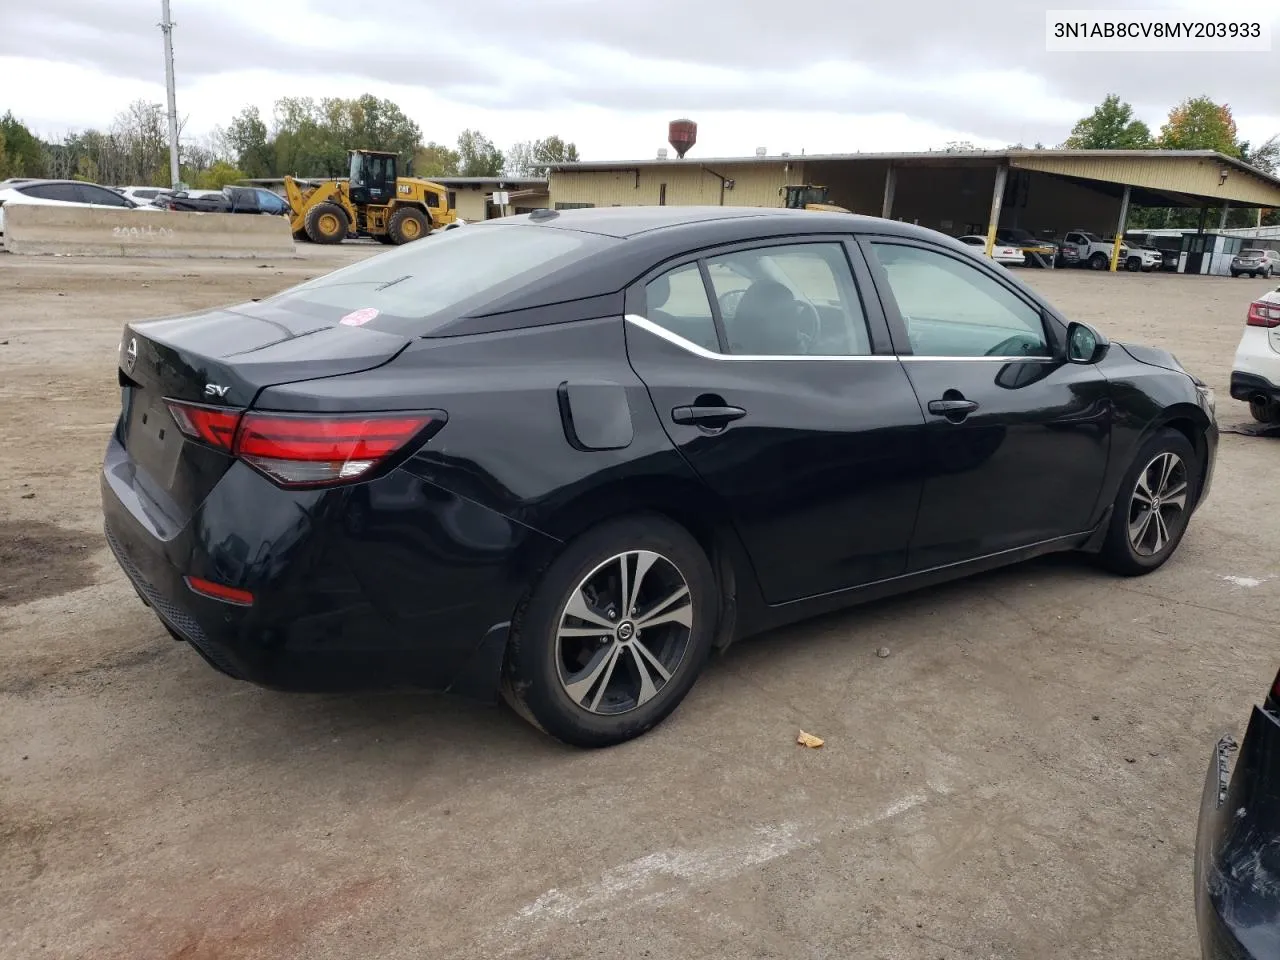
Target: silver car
x,y
1256,262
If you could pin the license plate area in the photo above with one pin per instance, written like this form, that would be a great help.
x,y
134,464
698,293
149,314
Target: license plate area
x,y
152,438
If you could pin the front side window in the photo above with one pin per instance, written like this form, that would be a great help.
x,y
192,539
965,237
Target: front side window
x,y
955,309
677,301
790,300
103,197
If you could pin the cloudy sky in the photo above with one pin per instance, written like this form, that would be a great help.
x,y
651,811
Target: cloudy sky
x,y
822,76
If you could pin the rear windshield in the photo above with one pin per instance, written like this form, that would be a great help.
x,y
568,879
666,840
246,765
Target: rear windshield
x,y
1250,252
424,284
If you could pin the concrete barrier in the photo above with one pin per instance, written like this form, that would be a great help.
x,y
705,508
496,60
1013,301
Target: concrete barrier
x,y
31,228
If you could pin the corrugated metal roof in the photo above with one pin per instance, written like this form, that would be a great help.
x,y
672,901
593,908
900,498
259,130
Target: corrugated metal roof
x,y
925,155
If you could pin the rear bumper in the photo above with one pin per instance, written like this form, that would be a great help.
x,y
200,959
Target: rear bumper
x,y
1247,386
1237,888
391,583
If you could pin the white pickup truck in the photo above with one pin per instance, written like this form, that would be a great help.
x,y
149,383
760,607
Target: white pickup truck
x,y
1081,248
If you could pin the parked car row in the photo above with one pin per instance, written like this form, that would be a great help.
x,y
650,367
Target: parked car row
x,y
76,193
66,193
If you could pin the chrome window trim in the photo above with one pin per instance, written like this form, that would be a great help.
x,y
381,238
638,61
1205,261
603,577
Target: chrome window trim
x,y
689,346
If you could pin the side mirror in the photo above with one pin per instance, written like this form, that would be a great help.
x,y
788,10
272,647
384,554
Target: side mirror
x,y
1085,344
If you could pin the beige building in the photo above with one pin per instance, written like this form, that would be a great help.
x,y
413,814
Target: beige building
x,y
1045,191
472,196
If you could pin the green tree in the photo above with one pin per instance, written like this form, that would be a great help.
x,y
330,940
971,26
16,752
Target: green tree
x,y
1111,126
246,138
217,176
1265,156
553,150
530,158
435,160
4,158
477,156
1200,124
23,152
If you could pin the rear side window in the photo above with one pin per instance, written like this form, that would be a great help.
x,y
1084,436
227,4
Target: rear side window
x,y
677,301
790,300
444,275
66,192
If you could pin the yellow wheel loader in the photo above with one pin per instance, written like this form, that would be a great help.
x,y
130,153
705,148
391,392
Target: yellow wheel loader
x,y
806,196
372,202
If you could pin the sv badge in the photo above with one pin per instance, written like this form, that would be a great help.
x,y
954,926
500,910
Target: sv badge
x,y
214,390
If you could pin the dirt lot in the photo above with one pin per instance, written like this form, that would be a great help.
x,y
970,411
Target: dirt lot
x,y
1020,778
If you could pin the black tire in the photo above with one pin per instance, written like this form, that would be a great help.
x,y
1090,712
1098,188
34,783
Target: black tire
x,y
1235,275
326,223
1266,274
300,236
1098,261
408,224
535,681
384,238
1119,553
1264,411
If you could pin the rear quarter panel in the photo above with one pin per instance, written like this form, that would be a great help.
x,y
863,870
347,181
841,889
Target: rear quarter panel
x,y
511,442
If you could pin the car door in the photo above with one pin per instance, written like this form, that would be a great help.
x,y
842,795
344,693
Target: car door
x,y
1017,439
778,384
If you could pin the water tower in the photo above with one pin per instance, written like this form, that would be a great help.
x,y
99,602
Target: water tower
x,y
682,135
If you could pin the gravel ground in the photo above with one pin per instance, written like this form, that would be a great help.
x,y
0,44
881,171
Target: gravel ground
x,y
1019,778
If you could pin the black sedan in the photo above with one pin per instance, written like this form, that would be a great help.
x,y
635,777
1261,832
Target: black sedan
x,y
565,455
1238,843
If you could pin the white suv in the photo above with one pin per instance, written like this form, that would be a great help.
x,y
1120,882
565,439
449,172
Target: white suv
x,y
1255,375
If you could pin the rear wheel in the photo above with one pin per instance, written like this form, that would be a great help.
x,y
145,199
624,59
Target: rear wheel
x,y
1264,410
407,225
1098,261
326,223
614,634
1153,505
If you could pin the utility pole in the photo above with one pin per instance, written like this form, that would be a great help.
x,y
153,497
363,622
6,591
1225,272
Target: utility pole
x,y
166,27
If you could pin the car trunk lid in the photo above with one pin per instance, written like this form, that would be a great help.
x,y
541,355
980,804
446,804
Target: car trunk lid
x,y
222,359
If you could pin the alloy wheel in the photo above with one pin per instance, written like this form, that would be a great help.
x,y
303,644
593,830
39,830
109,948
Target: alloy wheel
x,y
623,632
1158,507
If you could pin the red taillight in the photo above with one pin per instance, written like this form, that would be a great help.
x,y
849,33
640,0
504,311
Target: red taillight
x,y
216,426
1263,314
302,450
220,591
297,450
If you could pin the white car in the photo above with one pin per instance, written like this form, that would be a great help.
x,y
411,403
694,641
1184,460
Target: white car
x,y
1255,374
1145,259
1005,253
64,193
142,196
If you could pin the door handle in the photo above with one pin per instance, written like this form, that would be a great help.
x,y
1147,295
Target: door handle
x,y
717,416
952,407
